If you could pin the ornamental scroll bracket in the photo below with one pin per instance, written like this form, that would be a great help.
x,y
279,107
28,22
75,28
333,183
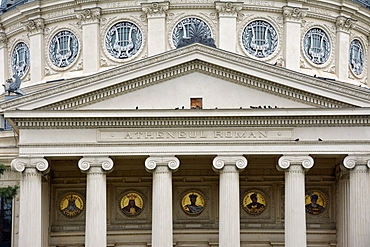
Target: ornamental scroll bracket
x,y
285,162
228,8
87,16
3,40
294,13
345,23
35,26
155,9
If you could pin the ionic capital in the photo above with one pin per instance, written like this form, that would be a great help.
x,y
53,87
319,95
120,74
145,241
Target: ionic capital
x,y
219,162
3,40
294,13
38,163
228,8
88,16
35,26
285,162
155,9
170,162
105,164
351,161
344,23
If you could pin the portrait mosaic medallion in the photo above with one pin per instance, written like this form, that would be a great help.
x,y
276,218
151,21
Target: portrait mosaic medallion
x,y
123,40
254,202
63,49
20,59
356,57
193,203
71,205
315,202
260,39
316,46
131,204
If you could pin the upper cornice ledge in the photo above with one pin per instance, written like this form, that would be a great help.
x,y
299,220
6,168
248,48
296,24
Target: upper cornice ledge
x,y
343,92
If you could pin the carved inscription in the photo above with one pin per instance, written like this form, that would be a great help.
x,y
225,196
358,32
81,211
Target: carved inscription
x,y
181,135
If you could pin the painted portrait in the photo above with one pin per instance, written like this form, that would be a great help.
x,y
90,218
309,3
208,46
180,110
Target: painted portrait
x,y
254,202
315,202
71,205
131,204
193,203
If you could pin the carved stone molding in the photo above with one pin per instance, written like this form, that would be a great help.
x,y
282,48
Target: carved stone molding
x,y
20,164
3,40
228,8
155,9
294,13
351,161
88,16
344,23
285,162
223,162
160,163
35,26
89,164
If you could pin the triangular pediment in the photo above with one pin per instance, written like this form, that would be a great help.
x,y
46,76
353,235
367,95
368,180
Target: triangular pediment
x,y
169,80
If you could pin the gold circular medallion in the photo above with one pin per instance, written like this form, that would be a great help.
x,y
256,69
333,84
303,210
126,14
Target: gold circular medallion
x,y
131,204
193,203
315,202
254,202
71,205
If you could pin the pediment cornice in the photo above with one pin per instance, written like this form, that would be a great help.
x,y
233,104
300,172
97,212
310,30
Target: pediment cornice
x,y
194,58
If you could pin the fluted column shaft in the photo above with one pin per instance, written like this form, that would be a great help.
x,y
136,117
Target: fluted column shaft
x,y
295,215
343,209
90,20
227,14
292,28
162,226
96,199
368,58
359,215
229,168
30,211
156,15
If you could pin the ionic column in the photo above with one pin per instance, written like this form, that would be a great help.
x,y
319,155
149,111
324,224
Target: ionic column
x,y
359,201
30,211
4,75
229,205
292,39
227,14
295,214
96,169
343,198
162,168
90,20
344,25
35,30
156,15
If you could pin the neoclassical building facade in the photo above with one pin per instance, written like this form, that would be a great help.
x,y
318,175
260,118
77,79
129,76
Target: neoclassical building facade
x,y
187,123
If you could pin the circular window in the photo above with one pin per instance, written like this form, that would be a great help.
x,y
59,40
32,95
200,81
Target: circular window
x,y
63,49
259,39
20,59
188,29
316,46
356,57
123,40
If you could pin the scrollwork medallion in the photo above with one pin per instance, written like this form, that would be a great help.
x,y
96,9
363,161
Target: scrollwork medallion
x,y
188,28
260,39
356,57
123,40
20,59
63,49
316,46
